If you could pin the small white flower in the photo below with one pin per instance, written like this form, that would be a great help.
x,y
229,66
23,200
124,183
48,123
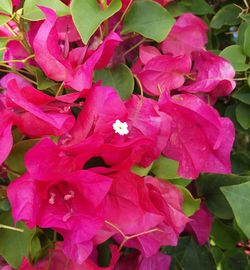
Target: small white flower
x,y
120,127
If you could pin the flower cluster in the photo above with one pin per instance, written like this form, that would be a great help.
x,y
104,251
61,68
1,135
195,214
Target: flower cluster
x,y
79,179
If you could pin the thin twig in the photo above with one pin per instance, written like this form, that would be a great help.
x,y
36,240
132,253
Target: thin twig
x,y
135,46
60,89
2,226
115,227
18,73
122,17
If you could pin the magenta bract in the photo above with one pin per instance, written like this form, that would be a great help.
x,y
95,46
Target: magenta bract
x,y
188,34
159,73
60,62
212,75
112,121
201,140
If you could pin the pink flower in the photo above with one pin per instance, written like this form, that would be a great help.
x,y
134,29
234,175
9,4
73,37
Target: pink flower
x,y
201,140
159,73
11,76
27,266
59,260
71,205
6,141
47,160
187,35
61,63
104,108
66,30
213,75
15,51
148,211
200,225
158,261
16,3
5,32
146,119
35,113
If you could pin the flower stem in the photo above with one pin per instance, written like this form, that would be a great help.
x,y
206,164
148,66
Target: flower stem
x,y
18,73
122,17
241,79
60,89
135,46
2,226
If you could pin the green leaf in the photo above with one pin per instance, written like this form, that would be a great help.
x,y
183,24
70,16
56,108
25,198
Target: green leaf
x,y
208,186
239,200
242,115
241,33
6,6
165,168
43,82
33,13
120,77
225,237
235,55
198,7
227,15
180,181
15,161
243,94
141,171
245,17
88,16
246,47
149,19
248,82
190,204
5,205
104,254
35,248
4,19
189,255
234,259
217,254
14,245
3,43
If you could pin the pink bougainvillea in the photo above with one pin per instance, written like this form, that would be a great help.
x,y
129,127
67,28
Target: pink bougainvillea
x,y
91,134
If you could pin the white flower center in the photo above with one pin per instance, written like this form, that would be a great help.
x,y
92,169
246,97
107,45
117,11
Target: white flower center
x,y
69,196
52,198
120,127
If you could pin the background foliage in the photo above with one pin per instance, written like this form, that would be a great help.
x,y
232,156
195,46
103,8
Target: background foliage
x,y
226,196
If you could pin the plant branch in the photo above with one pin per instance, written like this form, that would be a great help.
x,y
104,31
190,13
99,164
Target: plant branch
x,y
2,226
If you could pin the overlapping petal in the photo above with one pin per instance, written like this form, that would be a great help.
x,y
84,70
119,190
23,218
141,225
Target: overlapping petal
x,y
74,67
6,140
212,75
187,35
201,224
35,109
200,140
148,211
63,205
161,73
